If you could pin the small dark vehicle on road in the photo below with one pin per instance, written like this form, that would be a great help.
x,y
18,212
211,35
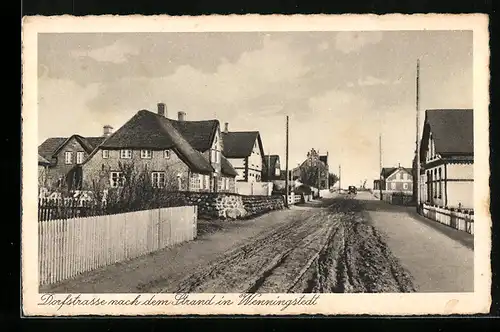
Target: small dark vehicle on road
x,y
352,190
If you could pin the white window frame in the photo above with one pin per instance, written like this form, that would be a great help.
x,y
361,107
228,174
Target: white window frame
x,y
80,155
405,186
207,182
119,178
125,154
146,154
105,154
166,154
68,157
156,181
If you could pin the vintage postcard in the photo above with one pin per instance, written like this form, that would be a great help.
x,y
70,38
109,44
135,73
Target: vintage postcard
x,y
263,165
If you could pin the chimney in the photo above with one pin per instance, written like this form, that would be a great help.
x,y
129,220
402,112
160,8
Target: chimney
x,y
162,109
226,127
181,116
107,130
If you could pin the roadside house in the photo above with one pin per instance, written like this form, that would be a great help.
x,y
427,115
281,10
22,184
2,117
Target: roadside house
x,y
43,165
397,179
271,168
447,158
179,154
65,156
245,152
308,171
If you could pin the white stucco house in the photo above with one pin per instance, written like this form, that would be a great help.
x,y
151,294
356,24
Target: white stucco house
x,y
245,152
447,159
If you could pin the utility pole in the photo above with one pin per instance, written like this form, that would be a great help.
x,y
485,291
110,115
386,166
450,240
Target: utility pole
x,y
380,163
417,149
340,183
286,164
319,172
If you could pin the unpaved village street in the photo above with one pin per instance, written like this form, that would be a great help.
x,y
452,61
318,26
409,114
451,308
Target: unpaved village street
x,y
329,248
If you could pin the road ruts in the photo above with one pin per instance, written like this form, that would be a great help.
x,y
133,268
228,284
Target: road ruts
x,y
322,250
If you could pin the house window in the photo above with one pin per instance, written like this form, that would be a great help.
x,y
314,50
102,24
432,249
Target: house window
x,y
393,185
116,179
440,193
405,176
207,181
158,179
166,154
405,186
105,154
79,157
226,183
215,156
125,154
398,176
146,154
68,157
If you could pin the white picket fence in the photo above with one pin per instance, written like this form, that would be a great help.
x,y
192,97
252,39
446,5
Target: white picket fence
x,y
461,220
69,247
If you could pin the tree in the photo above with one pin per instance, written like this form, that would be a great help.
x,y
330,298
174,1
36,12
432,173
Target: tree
x,y
332,179
309,175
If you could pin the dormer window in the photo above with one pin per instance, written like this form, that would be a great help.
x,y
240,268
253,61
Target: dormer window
x,y
146,154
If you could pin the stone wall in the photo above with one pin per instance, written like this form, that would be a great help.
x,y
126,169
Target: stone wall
x,y
225,205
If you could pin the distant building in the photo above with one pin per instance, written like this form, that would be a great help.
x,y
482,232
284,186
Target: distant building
x,y
396,179
447,158
309,169
271,168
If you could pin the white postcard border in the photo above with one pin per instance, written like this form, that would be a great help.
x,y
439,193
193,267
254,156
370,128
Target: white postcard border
x,y
354,304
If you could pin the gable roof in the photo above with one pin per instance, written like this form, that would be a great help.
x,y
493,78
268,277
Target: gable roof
x,y
270,160
148,130
226,168
52,145
452,131
239,144
388,171
42,161
199,134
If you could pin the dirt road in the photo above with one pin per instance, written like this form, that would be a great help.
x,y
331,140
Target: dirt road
x,y
328,248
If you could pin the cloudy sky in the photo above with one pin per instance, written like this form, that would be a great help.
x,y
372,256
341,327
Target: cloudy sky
x,y
339,89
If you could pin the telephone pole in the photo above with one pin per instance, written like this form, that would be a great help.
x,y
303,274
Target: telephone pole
x,y
417,149
340,176
380,163
286,165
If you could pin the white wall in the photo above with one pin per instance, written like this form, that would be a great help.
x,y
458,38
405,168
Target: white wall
x,y
460,192
239,166
255,164
460,171
254,188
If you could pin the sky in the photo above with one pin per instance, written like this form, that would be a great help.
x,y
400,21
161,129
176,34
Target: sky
x,y
339,89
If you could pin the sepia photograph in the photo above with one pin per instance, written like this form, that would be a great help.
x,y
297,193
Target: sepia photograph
x,y
191,168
